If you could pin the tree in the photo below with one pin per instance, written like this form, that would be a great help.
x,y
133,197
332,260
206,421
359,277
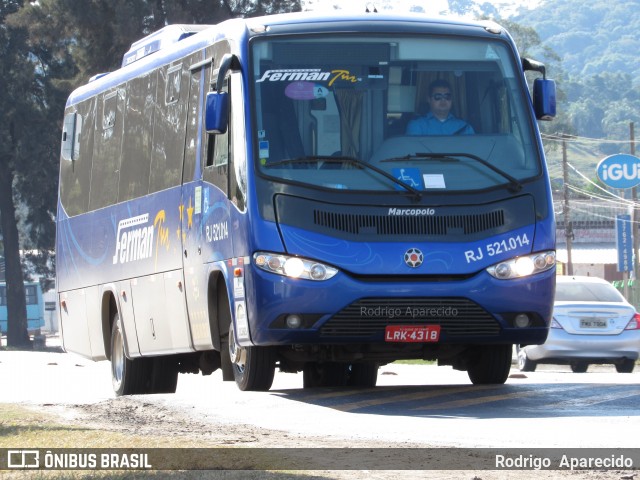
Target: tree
x,y
15,103
47,48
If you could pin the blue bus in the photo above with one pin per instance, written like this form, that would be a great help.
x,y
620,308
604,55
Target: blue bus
x,y
247,197
35,307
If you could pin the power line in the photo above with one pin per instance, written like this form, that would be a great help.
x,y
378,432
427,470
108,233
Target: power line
x,y
578,139
599,187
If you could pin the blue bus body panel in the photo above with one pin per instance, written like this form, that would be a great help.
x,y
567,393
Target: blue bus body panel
x,y
387,258
497,297
148,241
141,237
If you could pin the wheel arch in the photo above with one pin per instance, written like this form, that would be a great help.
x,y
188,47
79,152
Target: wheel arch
x,y
219,307
108,308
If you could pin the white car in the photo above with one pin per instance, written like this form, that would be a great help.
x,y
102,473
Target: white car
x,y
592,323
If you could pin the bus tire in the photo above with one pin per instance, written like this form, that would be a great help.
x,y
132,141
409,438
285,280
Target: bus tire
x,y
224,322
491,365
363,375
326,374
128,377
253,367
164,375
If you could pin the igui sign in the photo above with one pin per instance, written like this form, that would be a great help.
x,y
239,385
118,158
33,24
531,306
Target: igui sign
x,y
619,171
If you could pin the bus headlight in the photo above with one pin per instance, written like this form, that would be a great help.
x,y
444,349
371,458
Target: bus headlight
x,y
523,266
293,267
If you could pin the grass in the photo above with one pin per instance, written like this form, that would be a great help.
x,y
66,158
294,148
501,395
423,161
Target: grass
x,y
27,428
24,428
416,362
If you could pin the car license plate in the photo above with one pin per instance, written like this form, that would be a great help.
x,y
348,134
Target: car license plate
x,y
593,323
412,333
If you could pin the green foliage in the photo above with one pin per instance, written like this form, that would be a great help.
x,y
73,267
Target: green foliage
x,y
47,48
597,42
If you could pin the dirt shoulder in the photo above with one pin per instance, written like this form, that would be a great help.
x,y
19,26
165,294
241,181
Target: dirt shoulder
x,y
132,422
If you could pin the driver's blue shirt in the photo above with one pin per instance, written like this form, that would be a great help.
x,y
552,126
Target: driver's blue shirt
x,y
430,125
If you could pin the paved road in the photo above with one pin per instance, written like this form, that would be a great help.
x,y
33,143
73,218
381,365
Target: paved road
x,y
418,404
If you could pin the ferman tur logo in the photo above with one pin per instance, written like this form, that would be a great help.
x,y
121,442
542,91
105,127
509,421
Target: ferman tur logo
x,y
134,239
413,257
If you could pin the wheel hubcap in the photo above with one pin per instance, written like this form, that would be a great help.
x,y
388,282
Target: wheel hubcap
x,y
117,359
237,353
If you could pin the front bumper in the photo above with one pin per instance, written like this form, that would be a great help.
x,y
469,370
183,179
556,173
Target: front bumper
x,y
345,309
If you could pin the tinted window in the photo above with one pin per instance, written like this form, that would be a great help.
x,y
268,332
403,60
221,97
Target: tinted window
x,y
75,168
587,292
319,98
31,294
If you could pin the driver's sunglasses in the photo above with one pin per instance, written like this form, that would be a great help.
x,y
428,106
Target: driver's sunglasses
x,y
441,96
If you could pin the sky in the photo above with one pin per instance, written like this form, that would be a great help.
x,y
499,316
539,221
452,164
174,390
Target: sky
x,y
431,7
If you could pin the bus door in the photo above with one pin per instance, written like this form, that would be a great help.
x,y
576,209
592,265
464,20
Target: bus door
x,y
206,227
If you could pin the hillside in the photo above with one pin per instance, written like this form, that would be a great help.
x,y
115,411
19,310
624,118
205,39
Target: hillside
x,y
592,37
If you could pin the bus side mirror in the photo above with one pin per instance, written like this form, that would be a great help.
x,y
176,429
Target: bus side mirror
x,y
217,112
544,98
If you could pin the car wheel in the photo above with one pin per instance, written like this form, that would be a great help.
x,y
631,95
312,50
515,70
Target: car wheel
x,y
490,365
625,366
579,367
524,363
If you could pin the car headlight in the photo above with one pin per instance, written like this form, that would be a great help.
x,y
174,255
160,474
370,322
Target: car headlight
x,y
523,266
293,267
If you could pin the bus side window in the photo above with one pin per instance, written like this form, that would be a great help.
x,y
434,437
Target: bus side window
x,y
107,149
169,127
70,136
31,295
138,135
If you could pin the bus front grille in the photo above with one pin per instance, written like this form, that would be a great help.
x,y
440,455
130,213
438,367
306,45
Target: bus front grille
x,y
436,225
457,317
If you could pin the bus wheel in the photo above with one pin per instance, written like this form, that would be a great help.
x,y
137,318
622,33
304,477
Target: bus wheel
x,y
127,376
363,375
164,376
327,374
253,367
491,365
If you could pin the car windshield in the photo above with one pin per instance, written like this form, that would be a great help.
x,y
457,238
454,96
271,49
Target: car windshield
x,y
587,292
372,99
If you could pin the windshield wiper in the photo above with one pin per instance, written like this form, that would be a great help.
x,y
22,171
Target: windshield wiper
x,y
351,160
514,183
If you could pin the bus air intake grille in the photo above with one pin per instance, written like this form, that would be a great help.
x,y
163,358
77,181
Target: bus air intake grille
x,y
457,317
436,225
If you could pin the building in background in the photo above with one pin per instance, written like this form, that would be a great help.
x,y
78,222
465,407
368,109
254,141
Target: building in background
x,y
593,228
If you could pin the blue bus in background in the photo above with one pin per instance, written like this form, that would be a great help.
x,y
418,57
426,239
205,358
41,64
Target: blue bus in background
x,y
35,307
246,197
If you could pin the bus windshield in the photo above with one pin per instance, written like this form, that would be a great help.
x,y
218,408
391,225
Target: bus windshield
x,y
434,114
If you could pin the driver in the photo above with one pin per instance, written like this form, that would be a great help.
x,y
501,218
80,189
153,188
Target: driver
x,y
439,120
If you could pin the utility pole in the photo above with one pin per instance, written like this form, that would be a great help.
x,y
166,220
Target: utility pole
x,y
634,215
568,228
